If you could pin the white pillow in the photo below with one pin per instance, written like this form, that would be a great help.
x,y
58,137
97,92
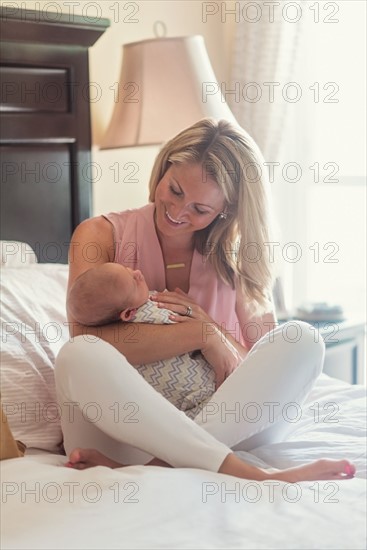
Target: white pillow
x,y
16,254
33,327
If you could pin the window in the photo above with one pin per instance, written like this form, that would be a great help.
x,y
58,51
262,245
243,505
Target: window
x,y
325,211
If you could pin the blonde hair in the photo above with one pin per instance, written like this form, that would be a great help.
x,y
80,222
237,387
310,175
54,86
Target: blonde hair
x,y
230,157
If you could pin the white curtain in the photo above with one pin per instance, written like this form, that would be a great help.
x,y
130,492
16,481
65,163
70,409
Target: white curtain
x,y
265,79
262,70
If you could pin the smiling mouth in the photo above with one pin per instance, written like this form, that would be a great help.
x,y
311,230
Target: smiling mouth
x,y
173,220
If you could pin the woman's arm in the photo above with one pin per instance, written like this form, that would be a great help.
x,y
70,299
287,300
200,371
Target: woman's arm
x,y
253,328
92,245
177,301
145,343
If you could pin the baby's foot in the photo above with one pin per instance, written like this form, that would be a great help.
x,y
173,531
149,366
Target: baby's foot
x,y
81,459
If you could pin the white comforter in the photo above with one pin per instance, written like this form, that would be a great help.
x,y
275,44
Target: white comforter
x,y
46,505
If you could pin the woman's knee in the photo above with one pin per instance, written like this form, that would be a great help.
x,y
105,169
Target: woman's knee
x,y
306,339
83,359
76,359
82,351
67,361
70,355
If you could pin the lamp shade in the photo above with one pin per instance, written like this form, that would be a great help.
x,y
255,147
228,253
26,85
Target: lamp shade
x,y
166,84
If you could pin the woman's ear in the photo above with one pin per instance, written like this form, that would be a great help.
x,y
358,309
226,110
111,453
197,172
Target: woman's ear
x,y
127,314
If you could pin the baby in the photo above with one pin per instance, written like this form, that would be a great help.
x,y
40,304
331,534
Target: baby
x,y
107,293
112,292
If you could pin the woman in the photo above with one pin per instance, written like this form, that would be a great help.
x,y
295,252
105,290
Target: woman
x,y
196,239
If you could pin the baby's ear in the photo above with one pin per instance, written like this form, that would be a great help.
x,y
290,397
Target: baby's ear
x,y
127,314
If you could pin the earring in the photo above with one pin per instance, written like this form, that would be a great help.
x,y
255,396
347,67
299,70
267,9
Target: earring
x,y
223,215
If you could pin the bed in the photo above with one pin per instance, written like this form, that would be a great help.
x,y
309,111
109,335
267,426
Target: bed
x,y
47,505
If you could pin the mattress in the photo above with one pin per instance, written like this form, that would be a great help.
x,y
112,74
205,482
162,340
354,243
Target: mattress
x,y
48,505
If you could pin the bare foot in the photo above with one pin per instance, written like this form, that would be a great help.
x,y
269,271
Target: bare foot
x,y
318,470
81,459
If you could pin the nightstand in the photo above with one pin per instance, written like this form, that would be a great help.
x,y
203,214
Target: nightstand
x,y
345,343
345,350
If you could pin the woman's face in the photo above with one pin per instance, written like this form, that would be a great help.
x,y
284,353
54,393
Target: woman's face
x,y
186,200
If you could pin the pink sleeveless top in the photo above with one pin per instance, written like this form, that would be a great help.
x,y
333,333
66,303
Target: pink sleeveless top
x,y
137,246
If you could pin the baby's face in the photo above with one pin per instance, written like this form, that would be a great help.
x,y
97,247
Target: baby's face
x,y
135,288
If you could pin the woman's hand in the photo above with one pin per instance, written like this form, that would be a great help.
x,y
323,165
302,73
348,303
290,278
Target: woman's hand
x,y
220,353
179,302
223,353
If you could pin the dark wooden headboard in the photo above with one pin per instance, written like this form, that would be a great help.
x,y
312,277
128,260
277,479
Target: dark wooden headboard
x,y
45,133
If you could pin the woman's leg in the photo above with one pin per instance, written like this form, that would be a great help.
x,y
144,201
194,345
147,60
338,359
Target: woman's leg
x,y
94,380
107,404
261,400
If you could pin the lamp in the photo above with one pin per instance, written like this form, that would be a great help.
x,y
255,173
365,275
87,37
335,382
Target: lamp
x,y
166,84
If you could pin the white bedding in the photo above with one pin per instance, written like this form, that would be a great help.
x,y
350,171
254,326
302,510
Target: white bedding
x,y
153,507
46,505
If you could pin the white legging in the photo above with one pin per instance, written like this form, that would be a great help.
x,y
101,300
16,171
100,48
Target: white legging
x,y
107,405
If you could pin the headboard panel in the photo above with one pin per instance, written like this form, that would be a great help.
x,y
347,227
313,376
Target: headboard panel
x,y
45,134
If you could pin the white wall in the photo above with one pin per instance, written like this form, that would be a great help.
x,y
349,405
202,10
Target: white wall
x,y
130,22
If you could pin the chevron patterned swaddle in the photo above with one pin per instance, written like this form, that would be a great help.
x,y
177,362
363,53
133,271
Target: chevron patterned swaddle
x,y
187,380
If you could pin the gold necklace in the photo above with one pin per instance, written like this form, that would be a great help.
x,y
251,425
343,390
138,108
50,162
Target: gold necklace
x,y
175,266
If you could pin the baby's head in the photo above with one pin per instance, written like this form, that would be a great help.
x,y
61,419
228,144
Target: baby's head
x,y
133,290
107,293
